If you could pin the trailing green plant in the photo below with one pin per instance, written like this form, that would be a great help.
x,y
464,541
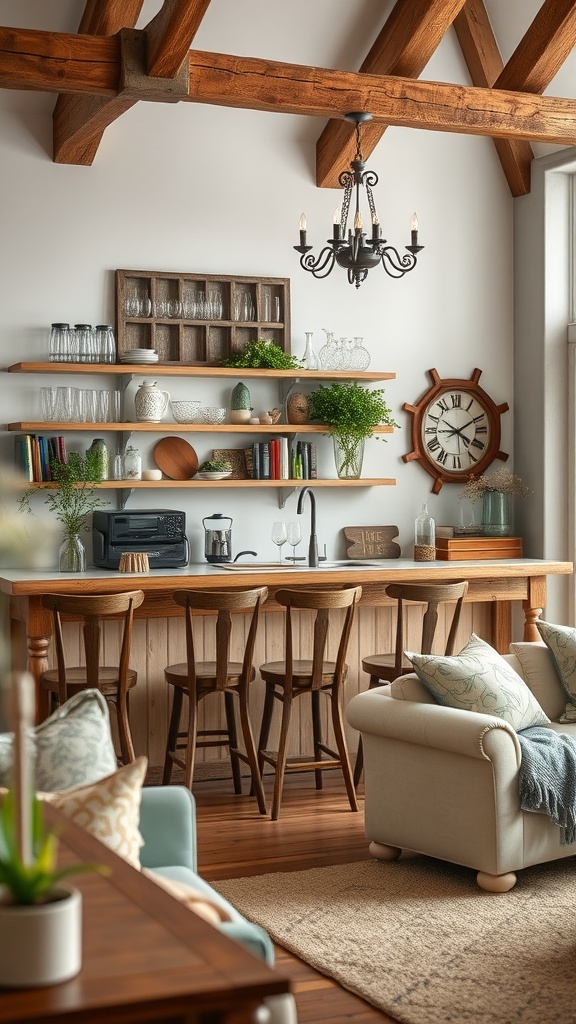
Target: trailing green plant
x,y
350,412
72,496
262,354
216,466
33,882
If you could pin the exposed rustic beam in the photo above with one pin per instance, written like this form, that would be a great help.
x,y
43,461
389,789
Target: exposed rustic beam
x,y
224,80
79,121
484,62
404,46
88,64
106,17
170,35
541,52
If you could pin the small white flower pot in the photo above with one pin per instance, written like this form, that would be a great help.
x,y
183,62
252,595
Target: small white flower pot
x,y
41,944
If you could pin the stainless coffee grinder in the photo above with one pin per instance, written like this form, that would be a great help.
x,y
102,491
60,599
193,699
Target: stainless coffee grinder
x,y
217,538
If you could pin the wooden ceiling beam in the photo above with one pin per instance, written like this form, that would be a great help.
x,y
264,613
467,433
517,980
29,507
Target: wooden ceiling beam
x,y
255,84
106,17
170,35
543,49
485,65
410,36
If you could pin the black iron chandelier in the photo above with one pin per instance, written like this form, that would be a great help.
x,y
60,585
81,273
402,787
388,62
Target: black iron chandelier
x,y
355,252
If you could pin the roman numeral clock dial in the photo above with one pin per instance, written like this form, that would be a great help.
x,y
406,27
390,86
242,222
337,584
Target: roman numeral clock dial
x,y
455,429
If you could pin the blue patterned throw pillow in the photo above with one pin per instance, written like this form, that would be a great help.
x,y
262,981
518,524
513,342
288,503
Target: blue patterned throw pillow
x,y
479,679
561,642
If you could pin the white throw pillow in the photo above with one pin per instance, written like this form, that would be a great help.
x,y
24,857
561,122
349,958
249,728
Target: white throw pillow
x,y
71,748
479,679
561,642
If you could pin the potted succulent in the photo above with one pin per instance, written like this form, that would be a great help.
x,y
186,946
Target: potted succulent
x,y
71,498
350,412
40,919
495,491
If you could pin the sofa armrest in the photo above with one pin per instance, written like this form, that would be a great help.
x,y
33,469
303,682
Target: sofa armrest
x,y
432,725
168,827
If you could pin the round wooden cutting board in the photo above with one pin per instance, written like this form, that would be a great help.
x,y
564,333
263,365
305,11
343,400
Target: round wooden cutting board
x,y
176,458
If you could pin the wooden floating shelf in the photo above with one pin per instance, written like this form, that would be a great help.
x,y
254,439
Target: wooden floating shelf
x,y
182,428
124,485
191,370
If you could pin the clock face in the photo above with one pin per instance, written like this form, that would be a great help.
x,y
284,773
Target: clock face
x,y
456,431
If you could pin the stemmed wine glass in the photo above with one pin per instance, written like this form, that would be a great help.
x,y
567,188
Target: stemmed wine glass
x,y
279,536
294,537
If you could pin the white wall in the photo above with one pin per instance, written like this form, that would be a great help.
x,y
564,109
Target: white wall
x,y
198,189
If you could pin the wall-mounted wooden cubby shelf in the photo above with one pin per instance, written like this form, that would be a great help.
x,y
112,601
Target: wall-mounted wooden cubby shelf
x,y
199,319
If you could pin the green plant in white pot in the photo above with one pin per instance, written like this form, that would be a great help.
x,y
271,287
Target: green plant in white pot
x,y
40,919
350,412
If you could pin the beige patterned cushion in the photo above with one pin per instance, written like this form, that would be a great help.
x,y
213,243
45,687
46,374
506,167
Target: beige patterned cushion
x,y
561,642
190,897
109,809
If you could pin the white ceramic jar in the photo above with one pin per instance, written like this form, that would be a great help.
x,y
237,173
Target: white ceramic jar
x,y
150,403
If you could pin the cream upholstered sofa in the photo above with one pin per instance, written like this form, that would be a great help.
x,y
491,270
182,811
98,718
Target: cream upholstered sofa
x,y
444,782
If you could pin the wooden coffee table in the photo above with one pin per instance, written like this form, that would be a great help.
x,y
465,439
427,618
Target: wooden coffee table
x,y
145,957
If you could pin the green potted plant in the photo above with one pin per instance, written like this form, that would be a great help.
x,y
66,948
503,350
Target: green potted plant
x,y
350,412
262,354
71,498
40,919
495,491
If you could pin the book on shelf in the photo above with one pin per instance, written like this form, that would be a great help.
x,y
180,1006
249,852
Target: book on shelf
x,y
265,460
23,456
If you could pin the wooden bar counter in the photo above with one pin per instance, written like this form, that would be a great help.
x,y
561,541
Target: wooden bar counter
x,y
499,582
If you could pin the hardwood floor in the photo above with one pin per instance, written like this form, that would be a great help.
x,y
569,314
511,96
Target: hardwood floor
x,y
314,828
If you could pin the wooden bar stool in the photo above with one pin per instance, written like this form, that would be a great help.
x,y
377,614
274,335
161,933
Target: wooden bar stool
x,y
387,667
114,682
196,679
291,678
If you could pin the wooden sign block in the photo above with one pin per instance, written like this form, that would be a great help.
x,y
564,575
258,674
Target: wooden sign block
x,y
372,541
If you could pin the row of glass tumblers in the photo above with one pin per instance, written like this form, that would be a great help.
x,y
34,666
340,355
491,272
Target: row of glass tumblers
x,y
82,344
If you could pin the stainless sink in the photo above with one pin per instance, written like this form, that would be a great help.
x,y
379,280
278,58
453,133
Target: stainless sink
x,y
345,563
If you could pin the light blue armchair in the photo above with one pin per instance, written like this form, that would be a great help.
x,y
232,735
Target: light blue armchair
x,y
168,827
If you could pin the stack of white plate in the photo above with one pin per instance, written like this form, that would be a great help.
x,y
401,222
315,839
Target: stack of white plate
x,y
139,355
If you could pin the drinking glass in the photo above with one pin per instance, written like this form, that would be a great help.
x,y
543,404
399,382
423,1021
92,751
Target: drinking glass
x,y
279,536
294,535
63,411
48,403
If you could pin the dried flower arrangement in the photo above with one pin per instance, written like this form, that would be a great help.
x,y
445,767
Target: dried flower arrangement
x,y
502,480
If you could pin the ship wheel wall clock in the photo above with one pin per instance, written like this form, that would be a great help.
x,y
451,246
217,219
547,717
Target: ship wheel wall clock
x,y
455,429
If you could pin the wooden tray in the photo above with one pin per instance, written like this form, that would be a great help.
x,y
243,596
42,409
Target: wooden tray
x,y
176,458
467,548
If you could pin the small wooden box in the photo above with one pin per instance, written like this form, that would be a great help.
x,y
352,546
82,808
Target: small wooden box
x,y
453,549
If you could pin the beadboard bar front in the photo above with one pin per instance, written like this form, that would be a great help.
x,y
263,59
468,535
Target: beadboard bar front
x,y
493,586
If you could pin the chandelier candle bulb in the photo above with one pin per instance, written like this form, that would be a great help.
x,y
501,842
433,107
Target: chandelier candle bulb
x,y
375,228
303,229
414,230
336,231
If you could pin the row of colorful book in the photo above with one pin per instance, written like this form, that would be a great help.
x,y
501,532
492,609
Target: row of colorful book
x,y
33,454
277,460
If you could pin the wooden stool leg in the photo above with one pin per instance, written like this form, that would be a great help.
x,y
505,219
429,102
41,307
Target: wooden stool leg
x,y
265,725
317,735
233,741
281,757
124,734
191,736
250,748
172,735
338,726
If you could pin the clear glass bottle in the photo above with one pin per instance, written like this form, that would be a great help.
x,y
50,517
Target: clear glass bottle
x,y
132,464
327,351
105,344
424,537
310,359
72,554
118,466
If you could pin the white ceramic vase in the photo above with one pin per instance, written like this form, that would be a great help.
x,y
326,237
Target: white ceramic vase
x,y
41,944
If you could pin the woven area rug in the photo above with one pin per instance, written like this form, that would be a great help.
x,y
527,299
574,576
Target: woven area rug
x,y
419,940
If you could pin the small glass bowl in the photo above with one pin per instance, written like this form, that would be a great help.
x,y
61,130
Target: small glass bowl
x,y
211,414
185,412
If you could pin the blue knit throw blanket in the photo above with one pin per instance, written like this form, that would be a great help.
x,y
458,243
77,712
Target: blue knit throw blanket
x,y
547,777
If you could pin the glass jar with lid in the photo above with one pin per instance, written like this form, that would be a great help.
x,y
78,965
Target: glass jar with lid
x,y
132,464
424,537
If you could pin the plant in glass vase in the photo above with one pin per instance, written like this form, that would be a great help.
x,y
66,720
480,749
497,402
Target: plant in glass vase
x,y
350,413
495,491
71,498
